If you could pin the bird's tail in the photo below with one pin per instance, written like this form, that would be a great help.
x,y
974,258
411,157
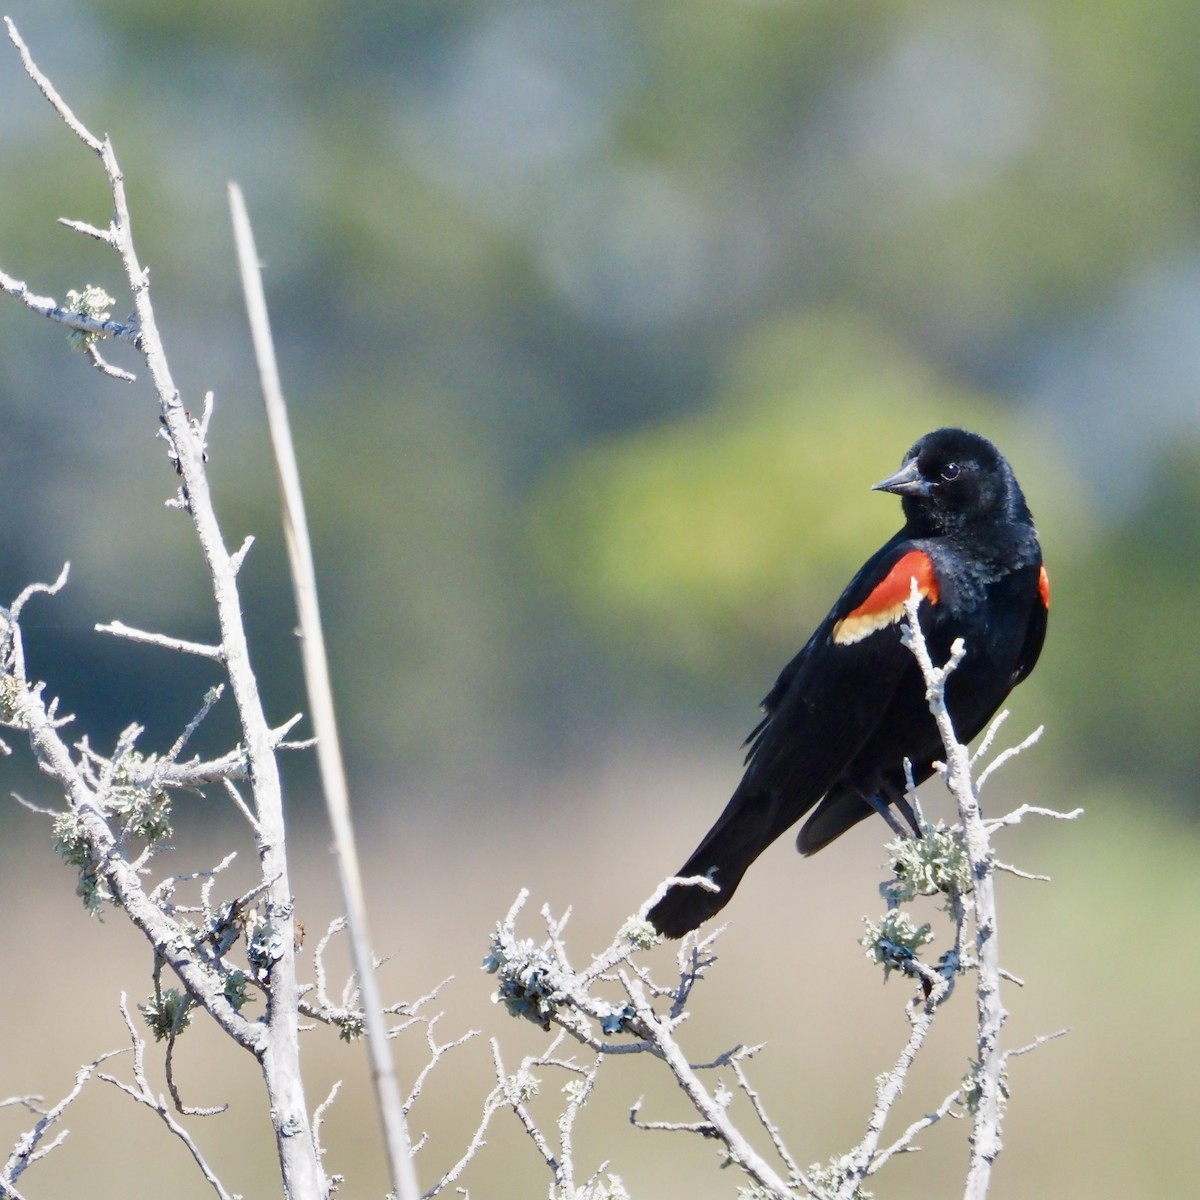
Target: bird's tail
x,y
835,814
742,832
687,906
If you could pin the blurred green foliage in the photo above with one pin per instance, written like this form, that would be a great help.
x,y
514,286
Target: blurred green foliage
x,y
707,541
597,322
1126,679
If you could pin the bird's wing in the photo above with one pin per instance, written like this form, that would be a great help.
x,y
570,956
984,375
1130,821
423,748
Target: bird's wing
x,y
1035,631
828,699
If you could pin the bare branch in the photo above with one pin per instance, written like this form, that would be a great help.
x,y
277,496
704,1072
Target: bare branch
x,y
105,367
239,555
34,808
186,1110
1040,1040
703,1128
905,1142
273,1040
88,230
538,982
120,629
493,1103
700,881
47,306
240,803
1006,756
72,122
319,1117
320,695
177,748
1030,810
140,1091
29,1148
513,1089
166,888
437,1051
121,875
761,1112
39,589
712,1113
989,737
921,1014
985,1137
1009,869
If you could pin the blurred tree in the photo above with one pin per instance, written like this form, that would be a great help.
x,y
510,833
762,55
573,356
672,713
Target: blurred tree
x,y
714,544
1125,678
517,250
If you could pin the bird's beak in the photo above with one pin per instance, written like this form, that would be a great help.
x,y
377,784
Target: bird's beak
x,y
905,482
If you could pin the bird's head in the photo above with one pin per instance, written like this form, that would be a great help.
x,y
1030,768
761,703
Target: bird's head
x,y
952,478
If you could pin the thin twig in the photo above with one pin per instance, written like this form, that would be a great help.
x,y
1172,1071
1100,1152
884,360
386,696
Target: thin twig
x,y
437,1050
904,1143
69,119
512,1094
1031,810
47,306
238,557
921,1016
320,694
93,355
178,746
989,736
13,631
1040,1040
711,1112
35,808
1009,869
88,230
493,1103
120,629
761,1112
140,1091
1007,755
29,1148
240,803
319,1116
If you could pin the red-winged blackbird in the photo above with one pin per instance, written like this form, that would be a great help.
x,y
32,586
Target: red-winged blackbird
x,y
850,707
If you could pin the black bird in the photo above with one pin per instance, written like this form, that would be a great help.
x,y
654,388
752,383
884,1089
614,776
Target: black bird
x,y
850,707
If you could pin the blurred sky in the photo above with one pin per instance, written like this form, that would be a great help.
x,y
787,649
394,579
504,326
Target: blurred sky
x,y
597,321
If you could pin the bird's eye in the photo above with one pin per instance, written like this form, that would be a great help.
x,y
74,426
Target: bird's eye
x,y
951,471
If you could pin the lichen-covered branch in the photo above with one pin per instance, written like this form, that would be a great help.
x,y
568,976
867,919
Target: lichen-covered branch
x,y
140,1091
102,851
613,1007
101,848
537,982
987,1085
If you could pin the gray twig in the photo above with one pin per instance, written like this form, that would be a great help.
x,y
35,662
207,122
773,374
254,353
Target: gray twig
x,y
141,1091
120,629
29,1148
320,695
275,1040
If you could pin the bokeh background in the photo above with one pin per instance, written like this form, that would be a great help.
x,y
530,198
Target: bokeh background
x,y
597,321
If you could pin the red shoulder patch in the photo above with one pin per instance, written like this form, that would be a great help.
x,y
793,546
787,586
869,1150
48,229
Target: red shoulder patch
x,y
885,605
1044,588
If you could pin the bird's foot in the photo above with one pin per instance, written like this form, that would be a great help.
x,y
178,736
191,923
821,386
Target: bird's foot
x,y
884,809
